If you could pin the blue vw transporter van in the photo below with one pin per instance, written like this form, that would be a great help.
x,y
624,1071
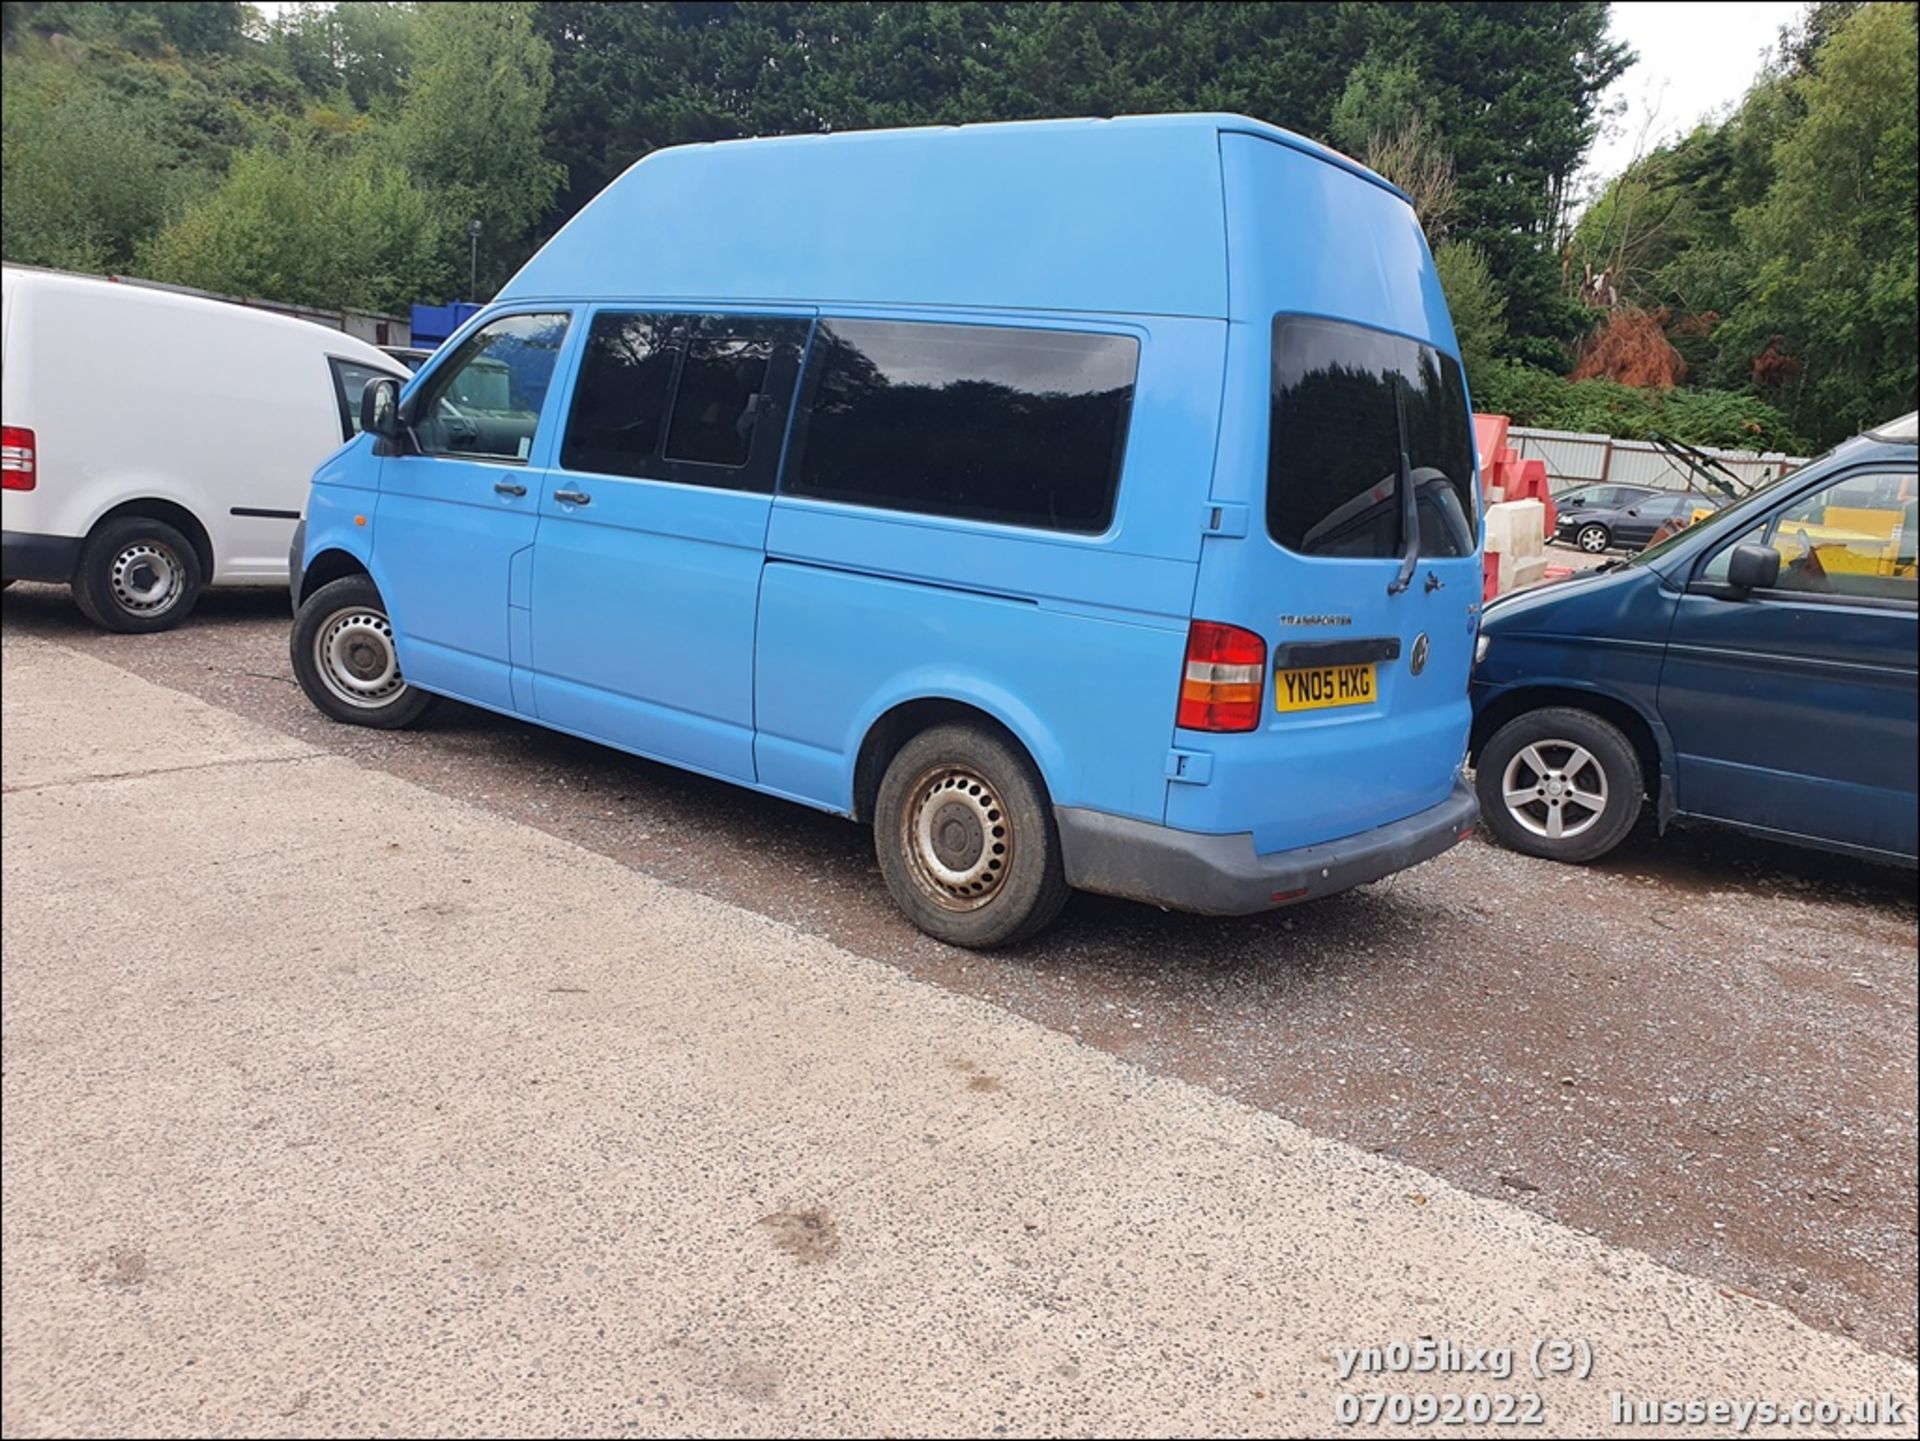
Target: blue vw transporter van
x,y
1081,503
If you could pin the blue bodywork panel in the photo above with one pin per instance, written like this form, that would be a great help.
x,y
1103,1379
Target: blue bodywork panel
x,y
760,636
1121,216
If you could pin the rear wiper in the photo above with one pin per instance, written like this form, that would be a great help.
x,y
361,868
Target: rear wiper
x,y
1409,504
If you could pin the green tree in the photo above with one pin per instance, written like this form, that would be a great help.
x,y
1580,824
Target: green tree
x,y
363,48
306,224
1382,97
1476,303
471,125
86,169
1836,240
194,27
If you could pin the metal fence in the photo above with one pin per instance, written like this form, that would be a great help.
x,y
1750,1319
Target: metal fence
x,y
1575,459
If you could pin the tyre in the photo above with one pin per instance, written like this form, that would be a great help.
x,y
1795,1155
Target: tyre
x,y
966,838
1593,539
1560,783
344,657
137,575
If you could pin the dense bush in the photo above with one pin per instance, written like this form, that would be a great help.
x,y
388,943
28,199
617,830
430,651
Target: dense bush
x,y
1532,396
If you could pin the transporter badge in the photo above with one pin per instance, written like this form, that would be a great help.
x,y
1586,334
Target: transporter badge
x,y
1420,653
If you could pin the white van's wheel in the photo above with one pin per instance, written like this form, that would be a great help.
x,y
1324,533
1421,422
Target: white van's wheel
x,y
966,838
344,657
137,575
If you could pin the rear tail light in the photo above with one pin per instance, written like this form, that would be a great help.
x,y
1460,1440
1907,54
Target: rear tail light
x,y
1224,679
16,458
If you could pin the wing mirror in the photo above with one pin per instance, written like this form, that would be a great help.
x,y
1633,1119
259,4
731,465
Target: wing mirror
x,y
380,408
1753,567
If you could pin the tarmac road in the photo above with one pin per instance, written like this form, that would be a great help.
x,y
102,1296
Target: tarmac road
x,y
1703,1048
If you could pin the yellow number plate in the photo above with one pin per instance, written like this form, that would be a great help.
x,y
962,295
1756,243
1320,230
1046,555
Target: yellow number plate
x,y
1319,686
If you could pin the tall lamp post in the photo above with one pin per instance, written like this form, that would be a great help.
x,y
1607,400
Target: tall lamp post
x,y
473,260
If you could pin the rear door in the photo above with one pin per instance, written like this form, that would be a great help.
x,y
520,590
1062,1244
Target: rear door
x,y
1341,359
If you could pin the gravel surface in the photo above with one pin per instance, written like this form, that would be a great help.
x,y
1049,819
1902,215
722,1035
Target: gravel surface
x,y
1703,1047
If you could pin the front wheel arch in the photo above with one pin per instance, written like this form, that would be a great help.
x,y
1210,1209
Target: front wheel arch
x,y
1648,745
328,566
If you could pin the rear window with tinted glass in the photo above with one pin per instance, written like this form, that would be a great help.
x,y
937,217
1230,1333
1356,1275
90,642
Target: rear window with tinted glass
x,y
1021,427
1341,396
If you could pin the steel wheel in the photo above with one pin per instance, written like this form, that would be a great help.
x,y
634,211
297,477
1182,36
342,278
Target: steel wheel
x,y
1555,789
1592,539
147,578
957,837
353,653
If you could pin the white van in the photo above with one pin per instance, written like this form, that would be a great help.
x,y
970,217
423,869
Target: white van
x,y
158,442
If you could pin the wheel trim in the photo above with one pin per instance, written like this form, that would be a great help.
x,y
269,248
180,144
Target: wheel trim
x,y
957,838
1593,540
147,578
353,653
1555,789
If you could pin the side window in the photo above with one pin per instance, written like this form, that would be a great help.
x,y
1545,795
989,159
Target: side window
x,y
620,400
350,377
1854,538
1018,427
484,401
723,383
1342,396
697,399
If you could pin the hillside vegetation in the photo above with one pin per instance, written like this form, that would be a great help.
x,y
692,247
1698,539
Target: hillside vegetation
x,y
338,155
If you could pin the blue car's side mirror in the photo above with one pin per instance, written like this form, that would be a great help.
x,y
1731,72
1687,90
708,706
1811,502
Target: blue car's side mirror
x,y
1753,567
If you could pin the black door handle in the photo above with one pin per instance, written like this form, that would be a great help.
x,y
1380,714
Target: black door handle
x,y
573,497
507,487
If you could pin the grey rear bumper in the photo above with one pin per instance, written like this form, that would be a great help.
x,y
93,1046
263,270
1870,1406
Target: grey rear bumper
x,y
38,557
1223,876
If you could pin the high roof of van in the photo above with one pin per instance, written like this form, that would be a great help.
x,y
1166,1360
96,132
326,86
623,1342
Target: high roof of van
x,y
1125,216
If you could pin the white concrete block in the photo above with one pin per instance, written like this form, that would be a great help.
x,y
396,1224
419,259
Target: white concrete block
x,y
1517,527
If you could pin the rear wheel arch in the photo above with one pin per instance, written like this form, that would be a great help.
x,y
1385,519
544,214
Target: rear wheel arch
x,y
1648,745
170,513
900,723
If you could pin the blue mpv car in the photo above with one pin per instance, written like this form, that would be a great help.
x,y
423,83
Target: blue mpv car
x,y
1082,503
1756,670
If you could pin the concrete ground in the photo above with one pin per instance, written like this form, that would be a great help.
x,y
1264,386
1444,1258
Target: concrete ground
x,y
1702,1047
338,1105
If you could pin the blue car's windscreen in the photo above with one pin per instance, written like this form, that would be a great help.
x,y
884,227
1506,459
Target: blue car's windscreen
x,y
1342,397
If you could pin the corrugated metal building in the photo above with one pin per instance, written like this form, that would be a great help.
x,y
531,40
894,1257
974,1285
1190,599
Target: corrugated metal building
x,y
1574,458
